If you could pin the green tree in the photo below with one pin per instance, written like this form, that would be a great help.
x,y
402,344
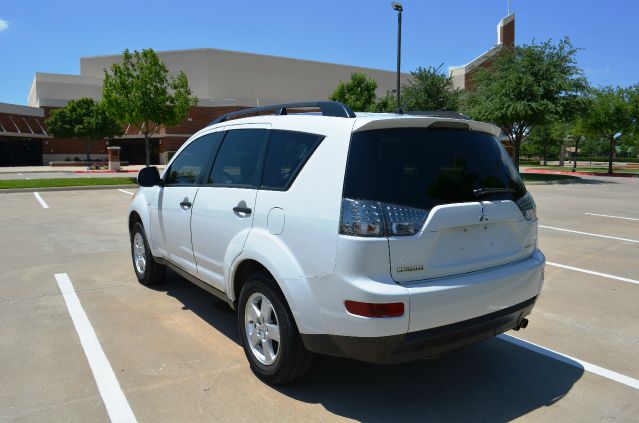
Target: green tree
x,y
610,117
386,104
546,139
430,89
633,139
526,86
83,119
358,93
108,127
141,92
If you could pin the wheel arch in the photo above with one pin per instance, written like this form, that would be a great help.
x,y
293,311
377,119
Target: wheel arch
x,y
139,211
134,217
299,298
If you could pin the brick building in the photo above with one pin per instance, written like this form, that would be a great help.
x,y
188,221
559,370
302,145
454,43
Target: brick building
x,y
463,75
222,80
22,135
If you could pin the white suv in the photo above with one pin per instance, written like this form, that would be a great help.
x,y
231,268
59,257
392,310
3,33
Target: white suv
x,y
379,237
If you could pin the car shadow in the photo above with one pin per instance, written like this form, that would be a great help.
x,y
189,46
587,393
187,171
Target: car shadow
x,y
580,180
491,381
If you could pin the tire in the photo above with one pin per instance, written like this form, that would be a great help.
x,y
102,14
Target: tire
x,y
274,362
148,271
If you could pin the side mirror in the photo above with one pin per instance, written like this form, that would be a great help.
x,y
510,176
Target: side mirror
x,y
149,176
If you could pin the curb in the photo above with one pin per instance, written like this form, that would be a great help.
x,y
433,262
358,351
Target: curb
x,y
560,172
61,169
105,171
80,188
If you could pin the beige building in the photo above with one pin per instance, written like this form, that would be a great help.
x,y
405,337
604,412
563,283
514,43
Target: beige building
x,y
217,78
222,80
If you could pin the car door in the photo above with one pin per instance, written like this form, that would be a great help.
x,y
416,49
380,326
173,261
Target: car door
x,y
223,212
172,206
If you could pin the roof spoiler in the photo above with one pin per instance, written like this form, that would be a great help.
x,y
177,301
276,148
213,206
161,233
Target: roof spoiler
x,y
327,108
439,113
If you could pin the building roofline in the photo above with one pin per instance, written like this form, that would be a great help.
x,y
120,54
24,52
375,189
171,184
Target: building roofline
x,y
64,77
487,54
272,56
506,19
478,60
21,109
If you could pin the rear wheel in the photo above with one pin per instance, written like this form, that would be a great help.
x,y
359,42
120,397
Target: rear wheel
x,y
147,270
269,336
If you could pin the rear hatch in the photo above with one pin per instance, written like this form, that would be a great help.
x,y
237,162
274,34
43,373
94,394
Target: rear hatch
x,y
448,200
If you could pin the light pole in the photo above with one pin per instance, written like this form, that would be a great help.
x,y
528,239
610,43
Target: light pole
x,y
398,7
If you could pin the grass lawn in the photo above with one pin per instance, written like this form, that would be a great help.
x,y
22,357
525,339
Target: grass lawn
x,y
64,182
615,169
545,177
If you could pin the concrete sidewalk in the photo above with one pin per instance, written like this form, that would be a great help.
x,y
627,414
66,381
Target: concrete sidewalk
x,y
43,169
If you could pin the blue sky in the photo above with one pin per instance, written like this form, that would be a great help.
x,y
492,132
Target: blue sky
x,y
51,36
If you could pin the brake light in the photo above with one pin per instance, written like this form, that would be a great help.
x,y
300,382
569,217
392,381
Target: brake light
x,y
527,206
374,309
377,219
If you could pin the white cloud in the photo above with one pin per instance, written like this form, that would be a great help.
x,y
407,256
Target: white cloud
x,y
4,25
596,71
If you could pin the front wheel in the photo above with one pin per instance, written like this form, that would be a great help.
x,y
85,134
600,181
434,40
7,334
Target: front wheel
x,y
147,270
269,336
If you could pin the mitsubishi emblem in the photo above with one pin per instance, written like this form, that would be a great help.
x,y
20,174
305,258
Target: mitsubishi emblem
x,y
482,218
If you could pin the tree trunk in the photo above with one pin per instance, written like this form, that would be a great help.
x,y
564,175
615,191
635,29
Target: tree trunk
x,y
610,153
517,144
574,163
545,154
147,149
86,149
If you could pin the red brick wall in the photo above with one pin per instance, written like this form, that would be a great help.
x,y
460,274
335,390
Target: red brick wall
x,y
507,34
75,147
171,143
468,77
198,118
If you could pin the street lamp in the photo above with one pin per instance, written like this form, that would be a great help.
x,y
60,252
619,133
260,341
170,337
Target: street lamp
x,y
398,7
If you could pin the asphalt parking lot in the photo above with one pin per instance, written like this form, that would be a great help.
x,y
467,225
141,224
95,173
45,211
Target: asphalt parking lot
x,y
175,352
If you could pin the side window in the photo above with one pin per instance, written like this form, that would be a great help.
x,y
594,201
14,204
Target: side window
x,y
238,163
189,164
287,153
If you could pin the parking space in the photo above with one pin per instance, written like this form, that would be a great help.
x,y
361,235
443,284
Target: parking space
x,y
175,352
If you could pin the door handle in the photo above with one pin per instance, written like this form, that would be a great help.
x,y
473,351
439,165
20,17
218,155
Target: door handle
x,y
185,204
246,210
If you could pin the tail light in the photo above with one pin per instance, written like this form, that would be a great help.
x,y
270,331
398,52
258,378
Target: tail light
x,y
527,206
377,219
374,309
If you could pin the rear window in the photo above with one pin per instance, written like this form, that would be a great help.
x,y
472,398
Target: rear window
x,y
423,168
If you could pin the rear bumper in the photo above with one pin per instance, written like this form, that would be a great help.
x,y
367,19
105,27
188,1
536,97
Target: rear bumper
x,y
428,343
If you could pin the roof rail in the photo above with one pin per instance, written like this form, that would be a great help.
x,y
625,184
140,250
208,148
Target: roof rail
x,y
328,108
438,113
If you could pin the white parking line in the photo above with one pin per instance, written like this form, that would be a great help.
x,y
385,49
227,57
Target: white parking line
x,y
125,191
40,200
589,234
114,400
613,217
592,272
592,368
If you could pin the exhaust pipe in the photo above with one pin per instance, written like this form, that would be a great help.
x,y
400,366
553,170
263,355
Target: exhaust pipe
x,y
522,324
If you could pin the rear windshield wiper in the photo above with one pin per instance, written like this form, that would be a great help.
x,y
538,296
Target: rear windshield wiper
x,y
484,191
